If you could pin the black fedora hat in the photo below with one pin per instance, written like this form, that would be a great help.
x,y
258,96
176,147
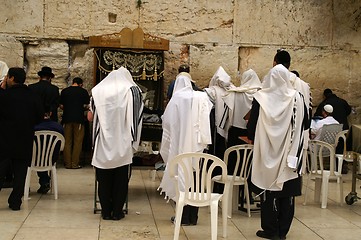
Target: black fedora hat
x,y
46,71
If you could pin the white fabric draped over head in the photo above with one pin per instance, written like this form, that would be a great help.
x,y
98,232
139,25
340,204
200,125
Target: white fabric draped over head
x,y
116,119
279,131
3,70
218,86
239,99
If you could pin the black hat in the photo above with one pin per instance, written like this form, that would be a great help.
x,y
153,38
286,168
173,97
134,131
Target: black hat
x,y
46,71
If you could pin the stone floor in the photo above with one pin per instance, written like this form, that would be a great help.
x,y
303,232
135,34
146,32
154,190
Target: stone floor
x,y
72,215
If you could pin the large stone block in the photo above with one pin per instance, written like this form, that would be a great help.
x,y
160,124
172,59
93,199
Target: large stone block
x,y
206,59
82,65
11,51
54,54
76,19
283,22
189,21
22,17
347,24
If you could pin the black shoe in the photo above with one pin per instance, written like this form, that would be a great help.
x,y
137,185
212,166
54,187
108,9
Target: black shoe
x,y
263,234
118,217
14,208
44,189
107,218
172,219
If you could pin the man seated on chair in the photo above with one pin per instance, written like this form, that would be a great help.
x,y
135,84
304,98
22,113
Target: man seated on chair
x,y
49,125
316,125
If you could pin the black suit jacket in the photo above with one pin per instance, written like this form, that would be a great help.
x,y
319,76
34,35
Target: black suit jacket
x,y
20,111
49,95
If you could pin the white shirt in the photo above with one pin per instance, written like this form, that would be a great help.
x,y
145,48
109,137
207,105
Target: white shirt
x,y
316,126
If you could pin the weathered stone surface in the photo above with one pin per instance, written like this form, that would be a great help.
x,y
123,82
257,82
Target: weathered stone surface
x,y
11,51
283,22
22,17
54,54
206,59
347,24
82,65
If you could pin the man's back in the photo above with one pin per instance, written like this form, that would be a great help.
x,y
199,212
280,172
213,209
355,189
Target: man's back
x,y
73,99
49,95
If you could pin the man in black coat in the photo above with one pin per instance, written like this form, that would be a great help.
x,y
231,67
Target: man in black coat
x,y
20,111
49,93
341,109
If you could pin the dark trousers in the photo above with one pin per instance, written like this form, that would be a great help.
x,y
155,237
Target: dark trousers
x,y
44,178
190,215
112,189
20,167
277,214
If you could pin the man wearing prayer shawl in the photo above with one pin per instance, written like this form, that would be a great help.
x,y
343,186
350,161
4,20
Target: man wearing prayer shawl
x,y
277,122
117,108
238,101
186,128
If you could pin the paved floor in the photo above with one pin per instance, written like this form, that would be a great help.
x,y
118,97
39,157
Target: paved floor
x,y
72,217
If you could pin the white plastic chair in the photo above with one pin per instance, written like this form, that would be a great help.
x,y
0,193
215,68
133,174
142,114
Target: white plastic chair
x,y
194,187
322,176
239,176
42,160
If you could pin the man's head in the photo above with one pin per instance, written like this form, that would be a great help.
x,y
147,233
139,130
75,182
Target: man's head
x,y
327,110
282,57
16,75
46,72
327,92
183,68
78,81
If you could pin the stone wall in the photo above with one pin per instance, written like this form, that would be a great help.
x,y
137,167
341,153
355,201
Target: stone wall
x,y
323,37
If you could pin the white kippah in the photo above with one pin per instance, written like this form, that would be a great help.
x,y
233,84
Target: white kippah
x,y
328,108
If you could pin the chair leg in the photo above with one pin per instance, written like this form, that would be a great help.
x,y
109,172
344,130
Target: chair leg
x,y
248,202
318,189
178,218
27,184
214,219
341,189
339,167
225,211
306,189
232,199
324,192
54,179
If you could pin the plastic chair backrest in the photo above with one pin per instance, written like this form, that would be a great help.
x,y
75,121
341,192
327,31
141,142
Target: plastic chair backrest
x,y
328,135
44,149
317,158
243,162
193,174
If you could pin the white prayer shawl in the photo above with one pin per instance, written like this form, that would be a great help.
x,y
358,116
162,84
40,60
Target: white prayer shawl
x,y
3,70
117,120
218,86
317,127
239,99
304,89
277,142
186,128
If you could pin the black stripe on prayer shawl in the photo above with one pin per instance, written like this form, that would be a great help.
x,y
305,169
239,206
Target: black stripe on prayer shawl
x,y
225,115
96,127
137,113
301,140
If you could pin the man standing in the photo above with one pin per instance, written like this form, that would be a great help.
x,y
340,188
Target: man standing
x,y
20,111
277,123
48,92
74,100
116,112
186,128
